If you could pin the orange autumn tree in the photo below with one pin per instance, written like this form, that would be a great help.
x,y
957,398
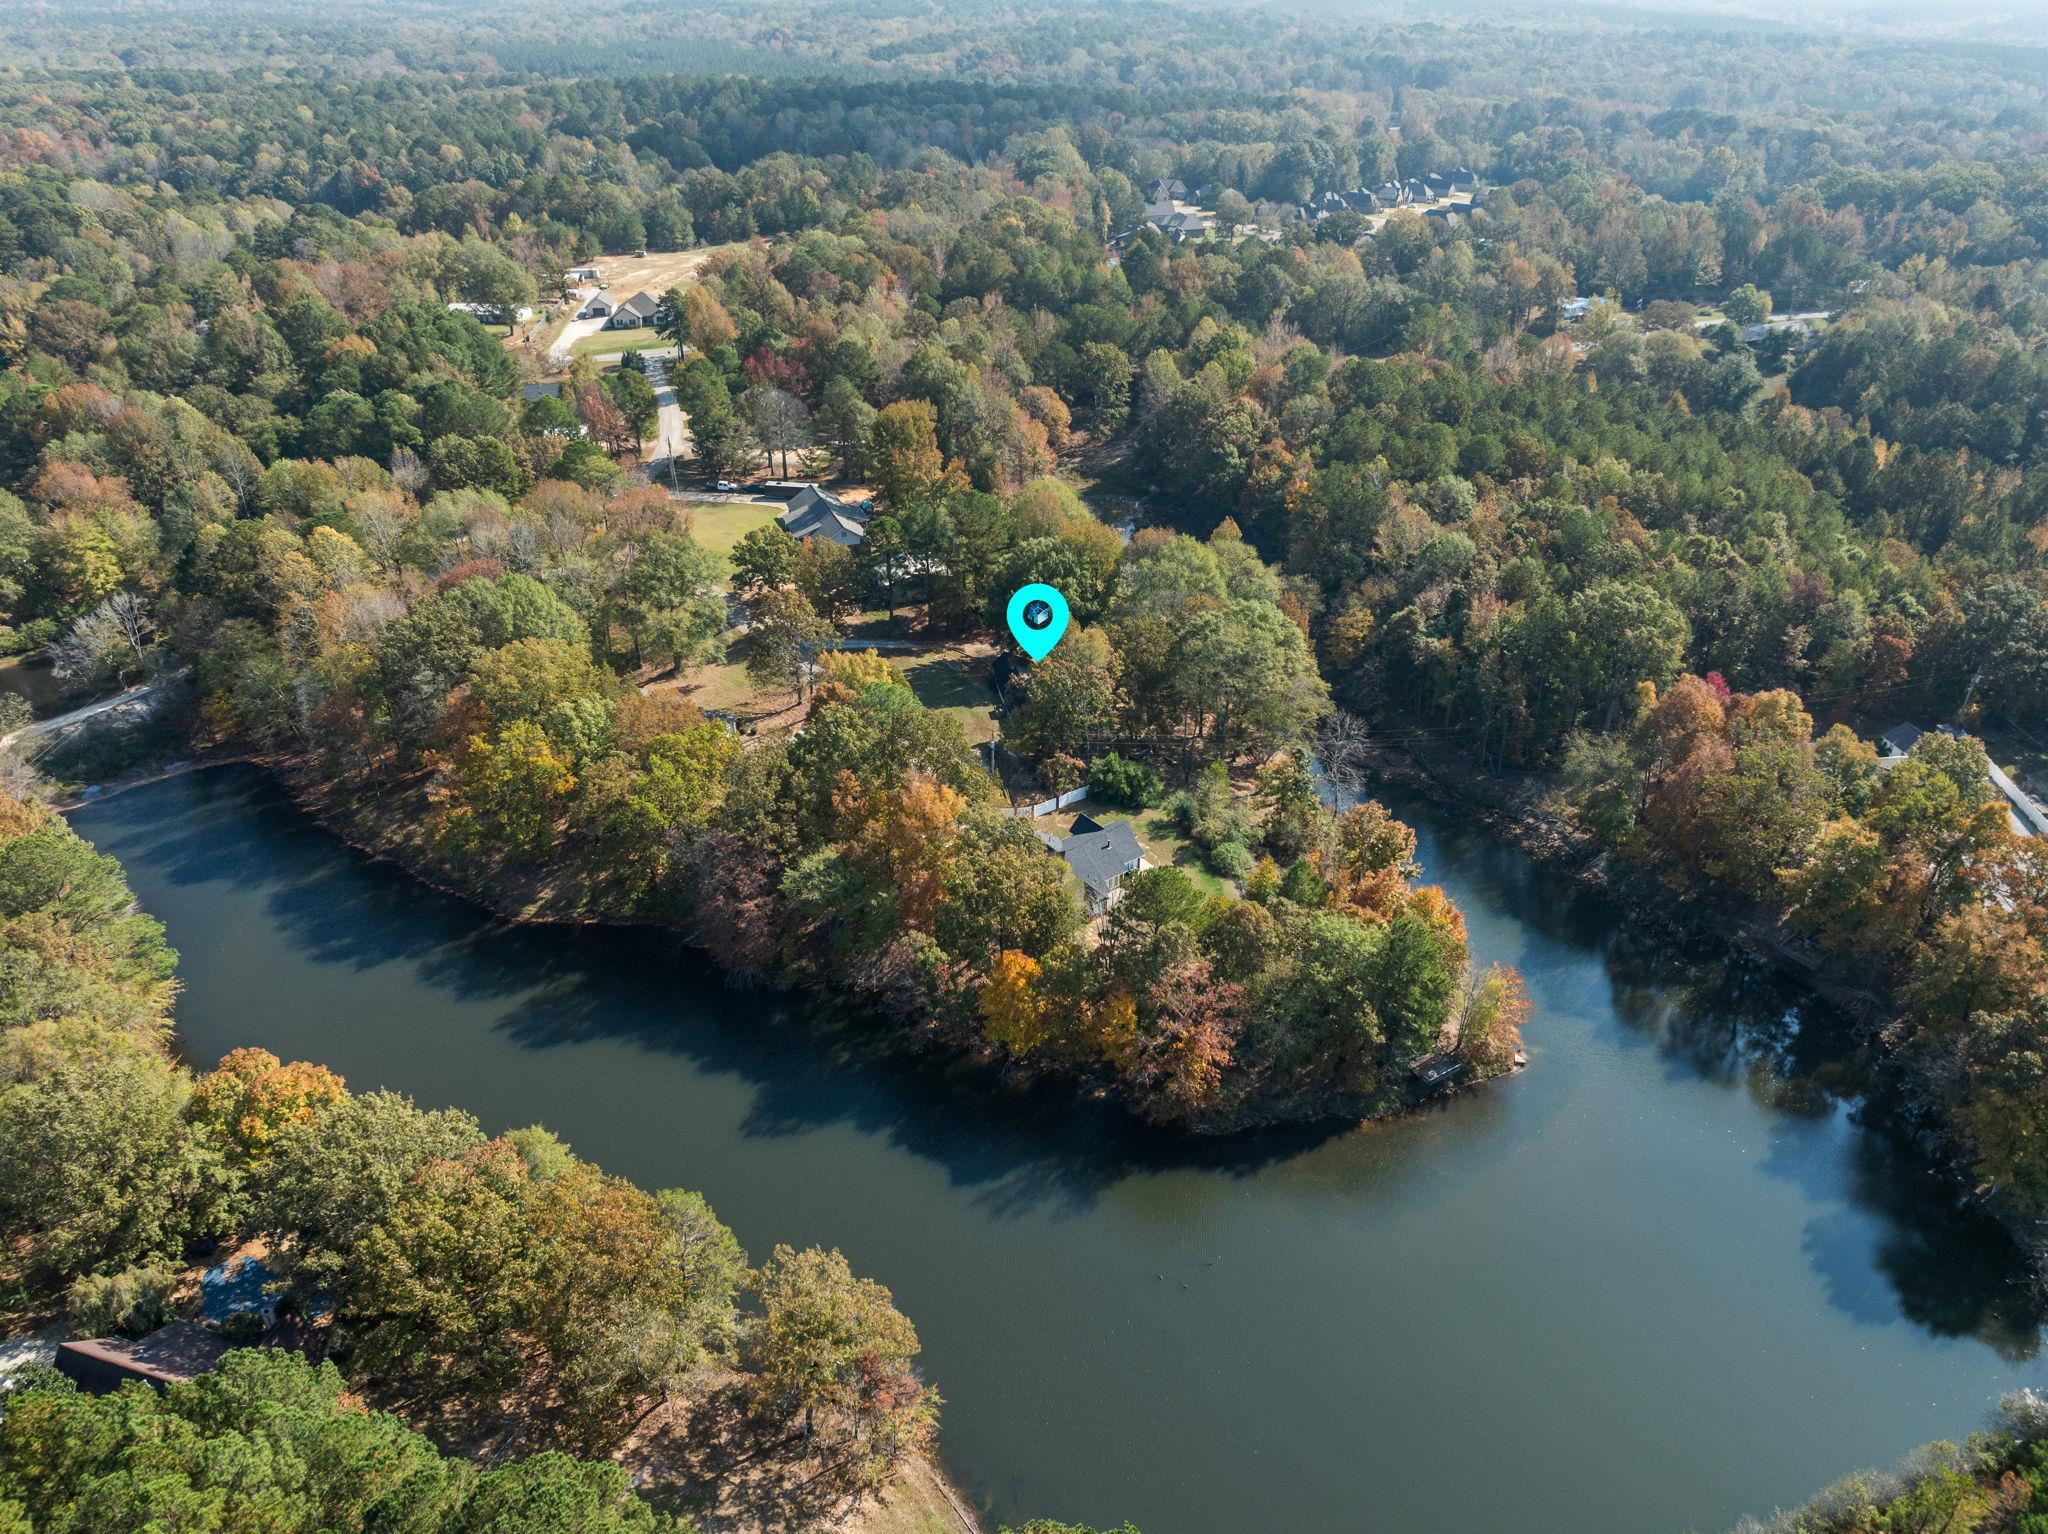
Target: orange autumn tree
x,y
1375,861
1194,1023
253,1097
899,840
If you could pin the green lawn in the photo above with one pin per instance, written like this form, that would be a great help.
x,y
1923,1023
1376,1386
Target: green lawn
x,y
613,343
954,683
718,525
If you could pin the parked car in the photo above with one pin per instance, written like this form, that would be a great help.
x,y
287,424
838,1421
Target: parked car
x,y
724,484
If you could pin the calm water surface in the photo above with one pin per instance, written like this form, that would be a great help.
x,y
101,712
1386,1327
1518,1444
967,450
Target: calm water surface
x,y
1659,1280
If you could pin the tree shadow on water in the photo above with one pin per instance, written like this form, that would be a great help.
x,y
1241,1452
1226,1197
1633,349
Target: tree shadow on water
x,y
1896,1243
812,1065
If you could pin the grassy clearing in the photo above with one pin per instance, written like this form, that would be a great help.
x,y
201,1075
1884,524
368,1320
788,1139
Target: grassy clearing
x,y
913,1503
1165,847
718,525
657,271
954,681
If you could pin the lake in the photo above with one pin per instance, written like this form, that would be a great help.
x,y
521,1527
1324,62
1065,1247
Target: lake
x,y
1662,1278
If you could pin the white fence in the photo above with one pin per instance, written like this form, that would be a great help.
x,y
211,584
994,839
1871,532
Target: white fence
x,y
1048,806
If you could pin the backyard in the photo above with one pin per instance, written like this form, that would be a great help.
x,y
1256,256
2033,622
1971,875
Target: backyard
x,y
718,525
954,680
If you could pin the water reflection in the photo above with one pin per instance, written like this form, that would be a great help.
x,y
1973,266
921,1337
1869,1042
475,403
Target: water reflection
x,y
1679,1232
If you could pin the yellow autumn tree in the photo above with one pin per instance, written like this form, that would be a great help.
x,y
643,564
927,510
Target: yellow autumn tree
x,y
512,790
1109,1026
1015,1012
843,673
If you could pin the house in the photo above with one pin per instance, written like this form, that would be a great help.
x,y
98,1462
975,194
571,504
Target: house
x,y
1462,180
241,1286
2027,817
635,313
1166,189
1443,214
1392,194
599,306
576,276
1800,332
1100,857
1182,224
815,513
493,314
1576,309
1899,740
1439,184
172,1354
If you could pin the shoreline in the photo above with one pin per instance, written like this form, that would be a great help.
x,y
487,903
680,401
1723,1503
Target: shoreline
x,y
1511,811
921,1487
366,829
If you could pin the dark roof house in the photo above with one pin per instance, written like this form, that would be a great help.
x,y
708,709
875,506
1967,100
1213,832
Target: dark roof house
x,y
815,513
168,1356
240,1286
1184,225
1100,857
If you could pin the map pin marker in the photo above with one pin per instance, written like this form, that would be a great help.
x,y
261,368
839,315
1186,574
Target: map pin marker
x,y
1038,617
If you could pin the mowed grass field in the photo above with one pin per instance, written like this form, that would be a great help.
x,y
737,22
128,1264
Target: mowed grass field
x,y
616,343
718,525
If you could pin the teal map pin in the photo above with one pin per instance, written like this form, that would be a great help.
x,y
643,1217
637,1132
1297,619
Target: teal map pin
x,y
1038,617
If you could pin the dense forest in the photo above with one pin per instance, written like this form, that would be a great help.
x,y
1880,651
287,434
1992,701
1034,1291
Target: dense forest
x,y
1700,438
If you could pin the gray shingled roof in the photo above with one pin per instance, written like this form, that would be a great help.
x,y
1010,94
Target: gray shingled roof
x,y
813,513
1099,856
1903,737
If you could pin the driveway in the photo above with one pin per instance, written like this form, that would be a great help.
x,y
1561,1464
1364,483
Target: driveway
x,y
671,426
574,331
137,702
